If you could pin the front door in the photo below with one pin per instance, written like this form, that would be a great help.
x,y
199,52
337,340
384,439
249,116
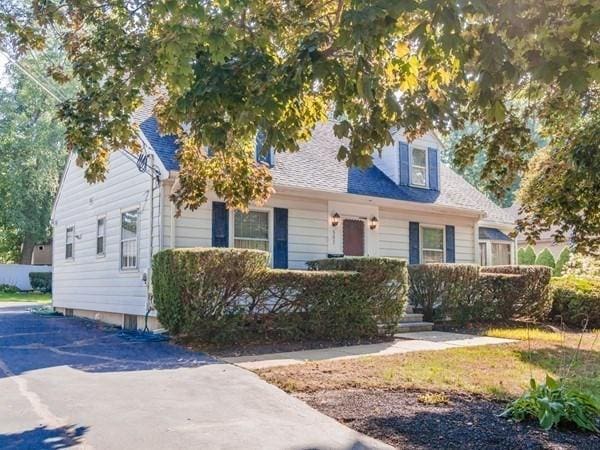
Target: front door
x,y
354,237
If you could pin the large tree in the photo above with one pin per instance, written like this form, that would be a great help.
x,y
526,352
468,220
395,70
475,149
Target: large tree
x,y
224,69
32,156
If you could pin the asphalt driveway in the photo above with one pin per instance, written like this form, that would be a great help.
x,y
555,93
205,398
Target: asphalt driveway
x,y
72,383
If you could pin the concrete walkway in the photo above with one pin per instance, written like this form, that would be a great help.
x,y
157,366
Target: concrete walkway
x,y
70,383
404,343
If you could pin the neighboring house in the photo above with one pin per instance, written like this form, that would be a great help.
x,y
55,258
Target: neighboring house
x,y
42,254
545,241
408,205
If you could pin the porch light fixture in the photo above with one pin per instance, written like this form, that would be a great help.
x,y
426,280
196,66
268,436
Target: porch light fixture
x,y
335,220
373,223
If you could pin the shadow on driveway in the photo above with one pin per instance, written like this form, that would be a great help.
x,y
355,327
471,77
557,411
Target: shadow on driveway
x,y
44,438
29,342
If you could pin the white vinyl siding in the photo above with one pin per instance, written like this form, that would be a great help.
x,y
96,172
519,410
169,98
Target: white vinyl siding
x,y
307,227
393,232
89,282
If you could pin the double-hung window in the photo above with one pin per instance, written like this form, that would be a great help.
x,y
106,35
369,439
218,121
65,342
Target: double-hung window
x,y
100,236
432,245
129,239
251,230
500,254
69,241
418,167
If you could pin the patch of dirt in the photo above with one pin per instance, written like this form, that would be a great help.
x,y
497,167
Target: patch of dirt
x,y
262,348
466,422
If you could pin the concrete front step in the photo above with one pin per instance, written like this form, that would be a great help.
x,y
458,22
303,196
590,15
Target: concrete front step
x,y
411,317
409,327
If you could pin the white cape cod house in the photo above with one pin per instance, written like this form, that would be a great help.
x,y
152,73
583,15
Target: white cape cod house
x,y
408,205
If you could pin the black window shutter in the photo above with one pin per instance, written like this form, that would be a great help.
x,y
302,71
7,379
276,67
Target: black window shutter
x,y
404,164
432,155
414,251
450,246
220,225
280,235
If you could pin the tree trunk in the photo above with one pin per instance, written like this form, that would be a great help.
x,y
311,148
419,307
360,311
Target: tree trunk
x,y
27,250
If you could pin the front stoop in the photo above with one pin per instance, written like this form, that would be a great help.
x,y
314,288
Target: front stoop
x,y
411,322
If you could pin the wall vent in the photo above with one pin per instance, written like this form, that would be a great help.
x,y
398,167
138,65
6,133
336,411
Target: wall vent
x,y
68,312
129,322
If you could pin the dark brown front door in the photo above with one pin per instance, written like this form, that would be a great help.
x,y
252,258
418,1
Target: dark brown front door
x,y
354,237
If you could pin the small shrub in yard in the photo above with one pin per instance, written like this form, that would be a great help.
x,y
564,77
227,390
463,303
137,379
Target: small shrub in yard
x,y
582,266
449,289
576,300
41,281
8,289
552,403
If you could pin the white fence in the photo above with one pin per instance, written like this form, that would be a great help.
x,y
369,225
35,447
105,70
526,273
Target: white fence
x,y
18,274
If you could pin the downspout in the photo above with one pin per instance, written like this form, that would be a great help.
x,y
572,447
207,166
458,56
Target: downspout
x,y
149,297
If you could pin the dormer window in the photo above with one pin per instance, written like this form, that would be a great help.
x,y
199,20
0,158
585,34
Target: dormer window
x,y
418,167
262,155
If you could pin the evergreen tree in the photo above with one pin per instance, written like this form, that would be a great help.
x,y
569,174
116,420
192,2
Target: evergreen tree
x,y
526,256
545,258
562,260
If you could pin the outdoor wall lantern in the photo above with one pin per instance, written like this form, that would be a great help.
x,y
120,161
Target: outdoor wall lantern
x,y
335,220
373,223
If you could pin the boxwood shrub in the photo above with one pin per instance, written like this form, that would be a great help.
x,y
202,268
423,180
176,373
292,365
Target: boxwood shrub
x,y
465,292
231,296
41,281
576,299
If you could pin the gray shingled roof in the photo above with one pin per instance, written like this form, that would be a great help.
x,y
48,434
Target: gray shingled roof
x,y
315,167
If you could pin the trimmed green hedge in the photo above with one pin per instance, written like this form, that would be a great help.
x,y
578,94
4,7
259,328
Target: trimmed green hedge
x,y
41,281
530,298
444,290
231,296
465,292
576,299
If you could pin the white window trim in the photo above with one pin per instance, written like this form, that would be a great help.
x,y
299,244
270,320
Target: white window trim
x,y
72,257
269,219
488,250
439,227
137,237
103,254
410,167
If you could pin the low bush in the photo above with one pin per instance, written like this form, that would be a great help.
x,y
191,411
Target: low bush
x,y
530,296
464,292
444,290
582,266
576,300
41,281
8,289
193,288
230,295
553,403
386,280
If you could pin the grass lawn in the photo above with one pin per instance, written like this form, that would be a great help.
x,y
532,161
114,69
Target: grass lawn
x,y
499,372
449,398
25,297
